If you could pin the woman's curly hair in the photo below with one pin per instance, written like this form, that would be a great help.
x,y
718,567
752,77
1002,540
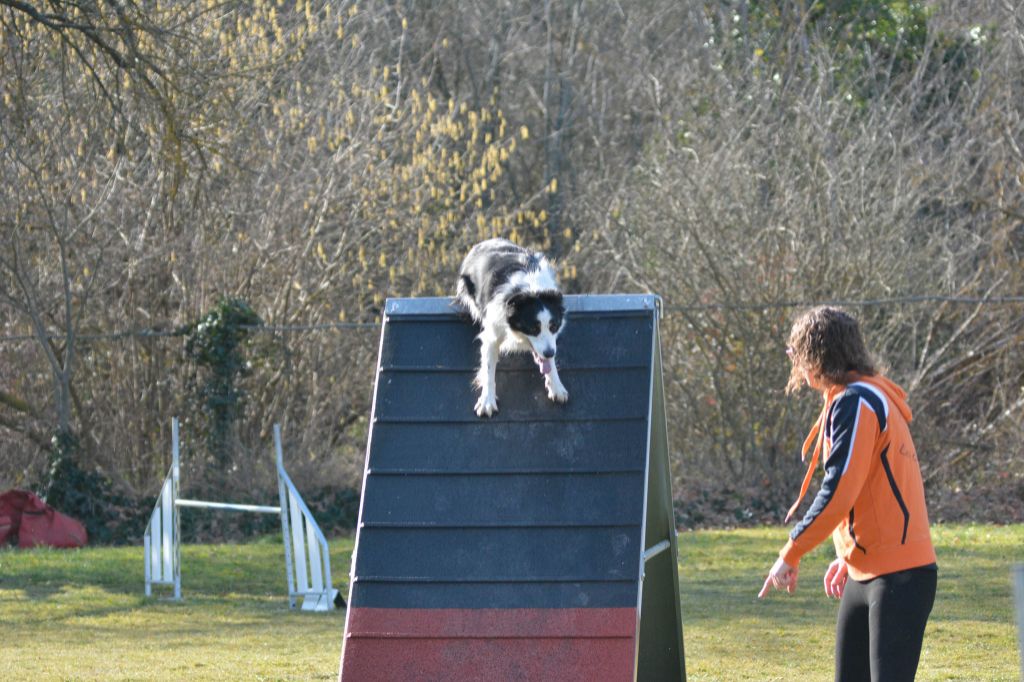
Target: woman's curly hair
x,y
827,342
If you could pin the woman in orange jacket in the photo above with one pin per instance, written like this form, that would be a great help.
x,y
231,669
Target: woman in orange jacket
x,y
871,501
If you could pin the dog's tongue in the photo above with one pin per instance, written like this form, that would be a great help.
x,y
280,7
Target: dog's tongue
x,y
543,363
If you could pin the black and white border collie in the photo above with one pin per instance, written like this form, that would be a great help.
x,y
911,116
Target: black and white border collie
x,y
512,293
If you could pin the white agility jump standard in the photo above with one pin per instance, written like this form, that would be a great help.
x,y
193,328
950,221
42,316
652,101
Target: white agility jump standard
x,y
306,557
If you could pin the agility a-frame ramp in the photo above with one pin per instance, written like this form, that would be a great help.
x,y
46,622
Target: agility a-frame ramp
x,y
306,556
538,544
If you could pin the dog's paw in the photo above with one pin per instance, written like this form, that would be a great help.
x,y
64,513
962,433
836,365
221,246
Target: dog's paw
x,y
486,405
558,394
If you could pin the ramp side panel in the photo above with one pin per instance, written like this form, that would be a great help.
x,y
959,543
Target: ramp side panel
x,y
450,397
499,555
588,340
509,594
479,447
569,659
433,500
486,623
490,644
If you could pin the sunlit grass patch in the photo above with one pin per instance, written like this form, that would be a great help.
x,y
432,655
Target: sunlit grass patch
x,y
730,635
82,615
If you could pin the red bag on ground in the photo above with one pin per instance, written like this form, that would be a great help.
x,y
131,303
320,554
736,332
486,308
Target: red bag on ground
x,y
37,523
7,528
11,503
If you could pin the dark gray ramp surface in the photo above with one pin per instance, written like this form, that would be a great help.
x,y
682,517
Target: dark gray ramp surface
x,y
542,506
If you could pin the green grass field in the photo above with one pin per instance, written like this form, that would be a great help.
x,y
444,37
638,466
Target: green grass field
x,y
81,614
730,635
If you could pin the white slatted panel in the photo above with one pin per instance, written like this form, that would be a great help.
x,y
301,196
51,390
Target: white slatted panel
x,y
153,547
298,545
149,569
166,504
315,563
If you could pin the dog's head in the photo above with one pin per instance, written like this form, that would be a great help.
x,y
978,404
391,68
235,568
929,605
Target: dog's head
x,y
539,318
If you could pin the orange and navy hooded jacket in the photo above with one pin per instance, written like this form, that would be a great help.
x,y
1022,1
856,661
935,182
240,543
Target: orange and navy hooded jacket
x,y
872,496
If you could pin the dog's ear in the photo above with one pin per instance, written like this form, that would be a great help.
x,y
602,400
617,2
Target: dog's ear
x,y
552,299
515,302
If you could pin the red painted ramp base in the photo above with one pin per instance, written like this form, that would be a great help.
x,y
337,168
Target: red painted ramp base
x,y
454,645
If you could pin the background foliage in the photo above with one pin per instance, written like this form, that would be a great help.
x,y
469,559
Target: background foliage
x,y
306,159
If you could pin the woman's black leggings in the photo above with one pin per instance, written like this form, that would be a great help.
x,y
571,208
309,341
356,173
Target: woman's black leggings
x,y
881,626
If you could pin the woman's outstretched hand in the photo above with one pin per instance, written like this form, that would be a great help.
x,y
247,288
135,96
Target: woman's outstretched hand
x,y
781,577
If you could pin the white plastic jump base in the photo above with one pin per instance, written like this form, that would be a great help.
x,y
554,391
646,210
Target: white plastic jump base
x,y
306,556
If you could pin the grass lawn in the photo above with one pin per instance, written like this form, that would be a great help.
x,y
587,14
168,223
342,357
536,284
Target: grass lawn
x,y
81,614
730,635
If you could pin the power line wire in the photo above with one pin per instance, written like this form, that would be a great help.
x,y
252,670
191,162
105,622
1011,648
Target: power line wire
x,y
155,333
763,305
860,303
